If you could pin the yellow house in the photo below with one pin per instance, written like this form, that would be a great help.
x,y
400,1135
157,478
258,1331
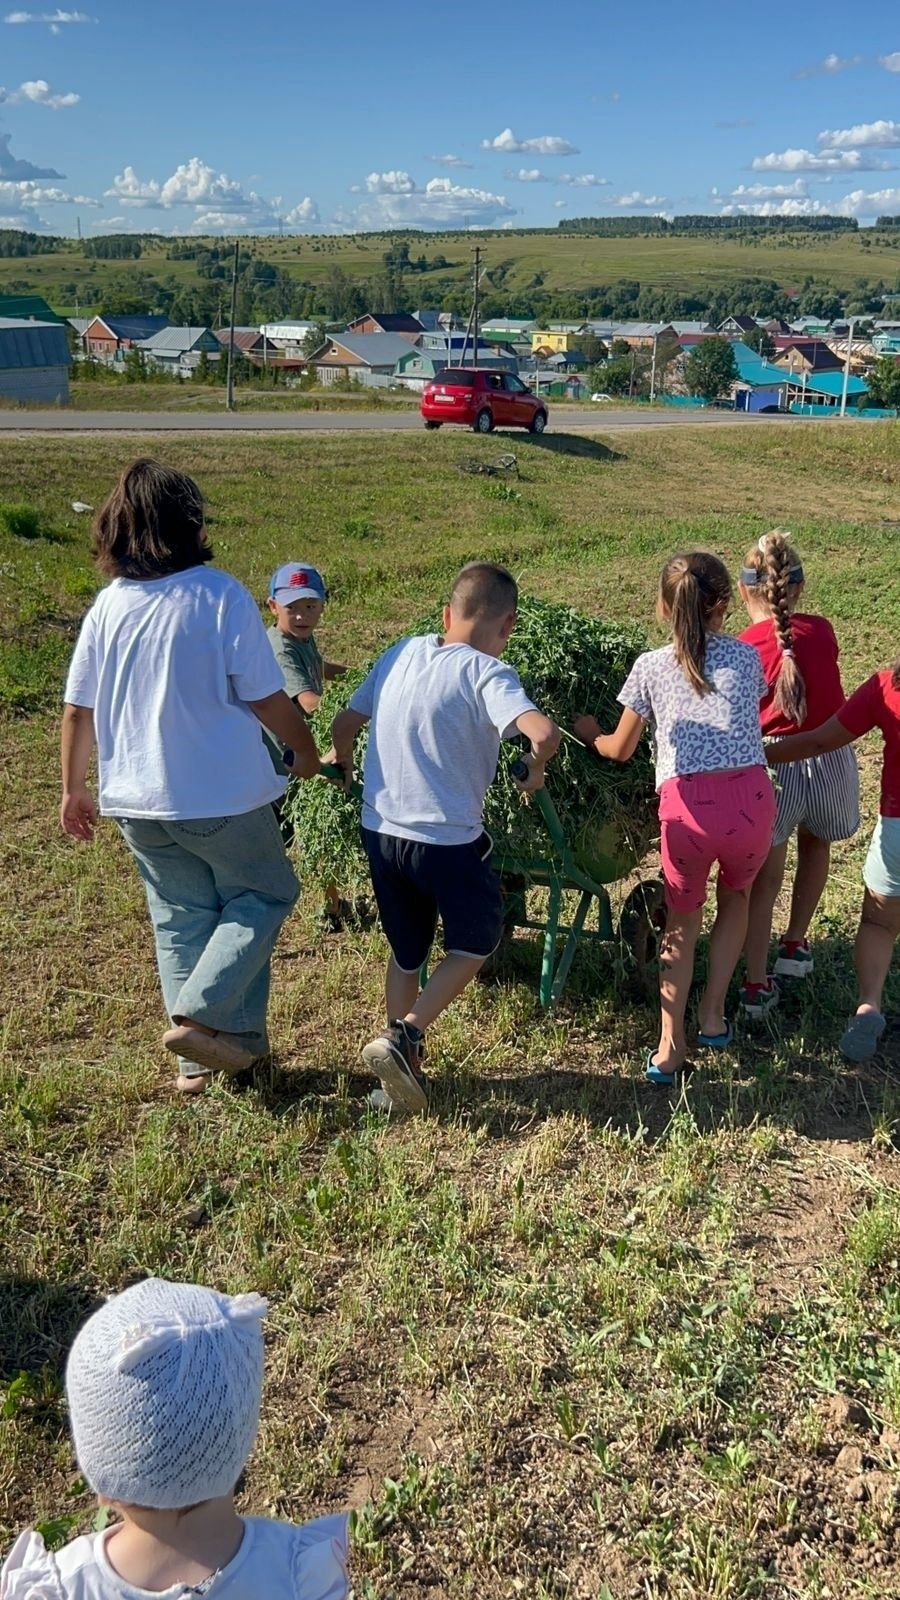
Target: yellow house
x,y
554,340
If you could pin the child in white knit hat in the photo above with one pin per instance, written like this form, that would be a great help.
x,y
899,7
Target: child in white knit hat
x,y
164,1385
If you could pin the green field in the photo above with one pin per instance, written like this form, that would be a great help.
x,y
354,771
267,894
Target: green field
x,y
568,1338
563,261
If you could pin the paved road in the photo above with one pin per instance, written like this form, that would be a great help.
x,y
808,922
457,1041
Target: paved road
x,y
600,419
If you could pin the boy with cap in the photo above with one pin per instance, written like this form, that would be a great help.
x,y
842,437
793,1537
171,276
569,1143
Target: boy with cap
x,y
438,706
164,1385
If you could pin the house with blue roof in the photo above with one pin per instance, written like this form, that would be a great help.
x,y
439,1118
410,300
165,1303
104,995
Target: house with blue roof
x,y
34,362
763,386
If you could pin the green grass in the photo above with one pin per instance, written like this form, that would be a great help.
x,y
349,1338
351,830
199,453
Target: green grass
x,y
564,1338
565,261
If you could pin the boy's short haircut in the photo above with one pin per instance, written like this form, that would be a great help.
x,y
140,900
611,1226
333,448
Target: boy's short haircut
x,y
483,589
151,525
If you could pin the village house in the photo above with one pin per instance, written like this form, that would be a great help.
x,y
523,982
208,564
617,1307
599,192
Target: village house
x,y
288,337
804,355
108,338
402,322
178,350
34,362
423,363
367,357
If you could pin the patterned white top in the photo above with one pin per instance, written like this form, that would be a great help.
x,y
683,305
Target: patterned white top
x,y
694,732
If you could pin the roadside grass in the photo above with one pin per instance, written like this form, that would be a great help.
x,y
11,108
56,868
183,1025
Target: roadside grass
x,y
566,1337
117,394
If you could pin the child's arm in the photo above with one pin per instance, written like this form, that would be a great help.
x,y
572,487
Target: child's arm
x,y
345,729
78,811
618,746
280,715
544,738
832,735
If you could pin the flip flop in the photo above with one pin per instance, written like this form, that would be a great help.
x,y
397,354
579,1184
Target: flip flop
x,y
214,1052
717,1041
655,1074
861,1035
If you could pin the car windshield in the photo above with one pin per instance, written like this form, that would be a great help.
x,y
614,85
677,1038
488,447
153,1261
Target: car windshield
x,y
456,377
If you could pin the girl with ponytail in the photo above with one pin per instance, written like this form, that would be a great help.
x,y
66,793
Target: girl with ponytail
x,y
819,798
700,695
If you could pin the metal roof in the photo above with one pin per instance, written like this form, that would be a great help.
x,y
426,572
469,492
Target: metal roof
x,y
27,308
392,321
690,327
32,344
175,339
761,374
132,327
370,349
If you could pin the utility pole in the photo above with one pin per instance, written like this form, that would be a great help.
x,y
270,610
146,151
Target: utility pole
x,y
477,286
847,368
229,392
653,371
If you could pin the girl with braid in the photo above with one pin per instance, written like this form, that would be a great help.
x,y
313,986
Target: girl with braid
x,y
819,798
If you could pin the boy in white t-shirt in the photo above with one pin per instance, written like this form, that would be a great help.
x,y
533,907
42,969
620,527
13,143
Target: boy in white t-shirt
x,y
439,707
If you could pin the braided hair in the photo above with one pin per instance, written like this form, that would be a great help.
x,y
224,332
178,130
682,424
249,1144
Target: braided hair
x,y
691,587
779,579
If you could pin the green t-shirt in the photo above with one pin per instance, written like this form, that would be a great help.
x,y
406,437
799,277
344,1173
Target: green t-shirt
x,y
304,673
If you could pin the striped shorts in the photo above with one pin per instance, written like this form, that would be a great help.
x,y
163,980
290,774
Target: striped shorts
x,y
820,795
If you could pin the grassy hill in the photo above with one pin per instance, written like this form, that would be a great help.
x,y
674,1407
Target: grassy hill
x,y
516,261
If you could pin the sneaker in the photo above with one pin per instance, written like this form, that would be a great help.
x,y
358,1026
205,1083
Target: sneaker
x,y
395,1057
759,998
795,959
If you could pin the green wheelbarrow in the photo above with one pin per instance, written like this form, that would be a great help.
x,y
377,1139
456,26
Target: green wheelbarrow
x,y
641,920
612,858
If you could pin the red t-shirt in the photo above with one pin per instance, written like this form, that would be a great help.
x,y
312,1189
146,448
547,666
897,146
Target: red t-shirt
x,y
816,654
876,704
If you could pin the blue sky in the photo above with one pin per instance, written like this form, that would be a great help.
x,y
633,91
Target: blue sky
x,y
213,116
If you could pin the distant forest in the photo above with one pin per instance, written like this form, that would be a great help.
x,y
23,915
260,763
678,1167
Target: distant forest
x,y
625,227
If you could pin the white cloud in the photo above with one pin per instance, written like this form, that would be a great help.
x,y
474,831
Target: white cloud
x,y
38,91
306,211
832,64
440,203
547,144
13,167
828,160
778,208
29,220
877,203
769,191
882,134
451,161
890,63
54,20
560,204
26,193
652,202
108,222
583,180
527,175
390,183
219,201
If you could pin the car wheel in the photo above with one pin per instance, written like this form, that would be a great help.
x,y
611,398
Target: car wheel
x,y
538,422
484,422
430,425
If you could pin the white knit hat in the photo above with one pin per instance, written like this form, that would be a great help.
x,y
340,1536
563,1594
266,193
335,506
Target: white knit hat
x,y
164,1385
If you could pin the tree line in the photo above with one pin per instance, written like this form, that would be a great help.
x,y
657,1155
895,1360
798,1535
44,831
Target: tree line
x,y
624,227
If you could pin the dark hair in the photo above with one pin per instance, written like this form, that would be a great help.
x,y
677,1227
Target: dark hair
x,y
691,587
152,524
776,562
483,589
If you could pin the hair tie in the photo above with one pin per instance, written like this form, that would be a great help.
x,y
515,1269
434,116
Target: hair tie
x,y
788,655
761,546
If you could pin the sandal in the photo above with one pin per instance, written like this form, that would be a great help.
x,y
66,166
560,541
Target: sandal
x,y
655,1074
214,1052
861,1035
717,1041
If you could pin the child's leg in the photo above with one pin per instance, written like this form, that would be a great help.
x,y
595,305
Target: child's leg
x,y
676,973
448,980
725,945
762,906
879,927
813,860
401,990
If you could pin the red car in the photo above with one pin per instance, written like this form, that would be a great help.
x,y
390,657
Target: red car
x,y
482,398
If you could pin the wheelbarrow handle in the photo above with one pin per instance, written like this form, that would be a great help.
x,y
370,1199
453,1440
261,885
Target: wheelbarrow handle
x,y
335,774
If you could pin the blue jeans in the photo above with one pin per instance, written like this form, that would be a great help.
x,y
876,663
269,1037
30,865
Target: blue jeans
x,y
218,890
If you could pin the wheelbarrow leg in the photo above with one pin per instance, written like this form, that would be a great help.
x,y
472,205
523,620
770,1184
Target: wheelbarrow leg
x,y
552,930
567,957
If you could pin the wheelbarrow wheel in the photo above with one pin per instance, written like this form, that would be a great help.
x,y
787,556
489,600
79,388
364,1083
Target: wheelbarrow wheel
x,y
641,927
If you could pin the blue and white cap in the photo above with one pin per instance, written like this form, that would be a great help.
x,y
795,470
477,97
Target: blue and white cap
x,y
296,581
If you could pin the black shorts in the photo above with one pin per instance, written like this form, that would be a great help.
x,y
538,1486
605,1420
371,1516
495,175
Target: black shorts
x,y
416,883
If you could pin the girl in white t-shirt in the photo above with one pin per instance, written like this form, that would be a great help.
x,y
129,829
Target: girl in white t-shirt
x,y
700,695
163,1386
171,678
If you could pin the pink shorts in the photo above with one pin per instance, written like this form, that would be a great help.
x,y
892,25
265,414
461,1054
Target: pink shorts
x,y
714,816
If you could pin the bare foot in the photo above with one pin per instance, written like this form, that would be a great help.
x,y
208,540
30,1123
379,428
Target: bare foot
x,y
669,1057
